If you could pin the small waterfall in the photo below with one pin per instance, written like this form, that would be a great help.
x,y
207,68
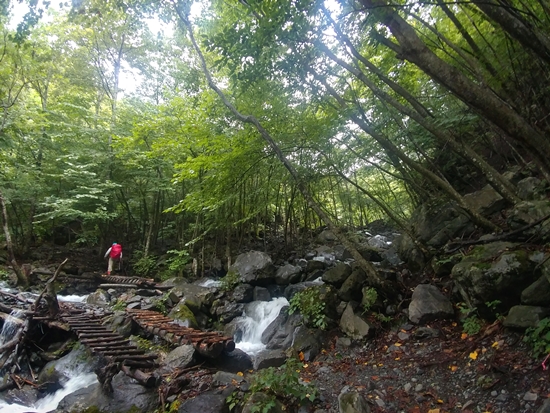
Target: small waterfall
x,y
72,298
78,376
210,283
10,326
50,402
258,316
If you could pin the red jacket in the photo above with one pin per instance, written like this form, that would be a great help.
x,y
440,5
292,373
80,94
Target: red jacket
x,y
116,251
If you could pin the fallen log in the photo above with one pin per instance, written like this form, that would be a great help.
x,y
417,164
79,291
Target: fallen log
x,y
119,286
145,379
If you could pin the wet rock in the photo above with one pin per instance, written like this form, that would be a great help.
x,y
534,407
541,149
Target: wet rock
x,y
288,274
428,303
524,316
528,212
223,378
233,361
127,396
269,358
181,357
255,268
99,297
242,293
261,294
307,341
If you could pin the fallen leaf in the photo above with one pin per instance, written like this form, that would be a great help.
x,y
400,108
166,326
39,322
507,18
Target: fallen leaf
x,y
397,358
240,373
463,336
433,411
301,356
495,345
473,355
453,368
398,344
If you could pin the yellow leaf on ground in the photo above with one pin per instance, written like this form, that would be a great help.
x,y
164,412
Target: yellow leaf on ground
x,y
464,336
433,411
398,344
240,373
453,368
473,355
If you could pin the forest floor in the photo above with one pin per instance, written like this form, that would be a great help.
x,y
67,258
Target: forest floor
x,y
398,371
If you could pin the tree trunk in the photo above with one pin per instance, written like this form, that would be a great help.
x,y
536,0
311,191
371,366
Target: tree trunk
x,y
483,100
22,280
369,269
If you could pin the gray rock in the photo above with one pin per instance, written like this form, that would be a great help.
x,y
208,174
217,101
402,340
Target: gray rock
x,y
223,378
428,303
485,201
352,402
530,188
352,325
288,274
337,274
255,268
99,297
524,316
494,271
269,358
208,402
242,293
545,408
180,357
261,294
260,399
537,293
352,286
234,361
127,396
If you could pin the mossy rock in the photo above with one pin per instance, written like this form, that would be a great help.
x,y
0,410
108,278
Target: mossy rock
x,y
183,314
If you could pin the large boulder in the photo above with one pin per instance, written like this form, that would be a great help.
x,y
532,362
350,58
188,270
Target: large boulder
x,y
127,396
525,316
353,325
428,303
288,274
495,271
255,267
537,293
434,225
353,285
528,212
337,274
352,402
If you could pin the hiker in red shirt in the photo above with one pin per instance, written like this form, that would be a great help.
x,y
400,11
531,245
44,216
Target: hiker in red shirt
x,y
115,254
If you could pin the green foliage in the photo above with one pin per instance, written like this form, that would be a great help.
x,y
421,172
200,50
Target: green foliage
x,y
282,383
471,324
177,261
309,303
143,265
539,338
120,305
370,295
4,274
230,281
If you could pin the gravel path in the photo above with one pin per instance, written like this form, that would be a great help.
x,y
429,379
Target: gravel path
x,y
433,369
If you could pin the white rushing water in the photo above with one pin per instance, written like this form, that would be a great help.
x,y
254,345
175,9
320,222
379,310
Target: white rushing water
x,y
78,374
258,316
10,326
210,283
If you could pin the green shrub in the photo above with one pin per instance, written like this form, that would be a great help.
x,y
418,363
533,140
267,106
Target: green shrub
x,y
539,338
471,324
282,383
230,281
310,304
143,265
177,260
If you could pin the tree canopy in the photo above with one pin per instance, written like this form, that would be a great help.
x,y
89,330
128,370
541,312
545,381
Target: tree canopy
x,y
172,124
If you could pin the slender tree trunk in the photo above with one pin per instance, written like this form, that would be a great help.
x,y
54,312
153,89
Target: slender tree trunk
x,y
371,272
497,181
22,279
527,34
483,100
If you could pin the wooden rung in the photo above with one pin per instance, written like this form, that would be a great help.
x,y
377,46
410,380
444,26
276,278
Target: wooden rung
x,y
98,335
